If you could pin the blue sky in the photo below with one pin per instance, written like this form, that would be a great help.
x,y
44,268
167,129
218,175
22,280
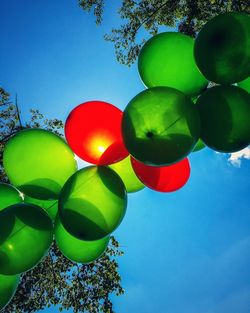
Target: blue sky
x,y
187,251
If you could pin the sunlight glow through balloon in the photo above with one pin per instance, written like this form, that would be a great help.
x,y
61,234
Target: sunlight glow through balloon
x,y
92,203
167,60
9,195
76,250
26,233
166,178
93,131
38,163
8,286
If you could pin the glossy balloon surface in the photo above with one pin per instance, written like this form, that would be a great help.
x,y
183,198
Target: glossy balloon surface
x,y
160,126
225,116
245,84
93,131
199,146
92,203
125,170
222,48
26,232
38,163
50,206
165,179
167,60
76,250
8,195
8,286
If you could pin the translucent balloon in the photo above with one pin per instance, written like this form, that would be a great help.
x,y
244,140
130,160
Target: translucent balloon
x,y
38,162
76,250
93,131
199,146
166,178
8,286
225,116
26,232
125,171
50,206
245,84
8,195
222,48
160,126
92,203
167,60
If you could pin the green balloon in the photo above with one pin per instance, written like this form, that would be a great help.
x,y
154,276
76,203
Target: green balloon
x,y
8,195
76,250
125,170
160,126
245,84
26,233
92,203
225,116
199,146
167,60
38,162
8,286
222,48
50,206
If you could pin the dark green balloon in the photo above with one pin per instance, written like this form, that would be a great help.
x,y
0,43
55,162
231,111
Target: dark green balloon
x,y
50,206
167,60
160,126
92,203
225,118
125,170
8,195
199,146
76,250
26,233
8,286
38,163
222,48
245,84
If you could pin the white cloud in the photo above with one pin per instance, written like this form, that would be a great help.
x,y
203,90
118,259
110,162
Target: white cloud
x,y
236,157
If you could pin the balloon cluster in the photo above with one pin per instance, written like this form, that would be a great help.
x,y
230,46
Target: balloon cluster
x,y
147,144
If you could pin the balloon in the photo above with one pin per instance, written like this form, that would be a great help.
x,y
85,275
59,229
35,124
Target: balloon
x,y
160,126
125,171
50,206
165,179
8,286
245,84
199,146
38,162
167,60
222,48
225,116
78,250
93,131
92,203
26,233
8,195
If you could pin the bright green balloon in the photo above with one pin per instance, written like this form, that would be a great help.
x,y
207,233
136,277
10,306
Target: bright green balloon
x,y
26,233
50,206
76,250
245,84
199,146
225,116
38,163
8,286
92,203
167,60
222,48
8,195
125,170
160,126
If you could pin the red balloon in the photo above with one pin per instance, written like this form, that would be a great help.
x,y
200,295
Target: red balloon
x,y
165,178
93,131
